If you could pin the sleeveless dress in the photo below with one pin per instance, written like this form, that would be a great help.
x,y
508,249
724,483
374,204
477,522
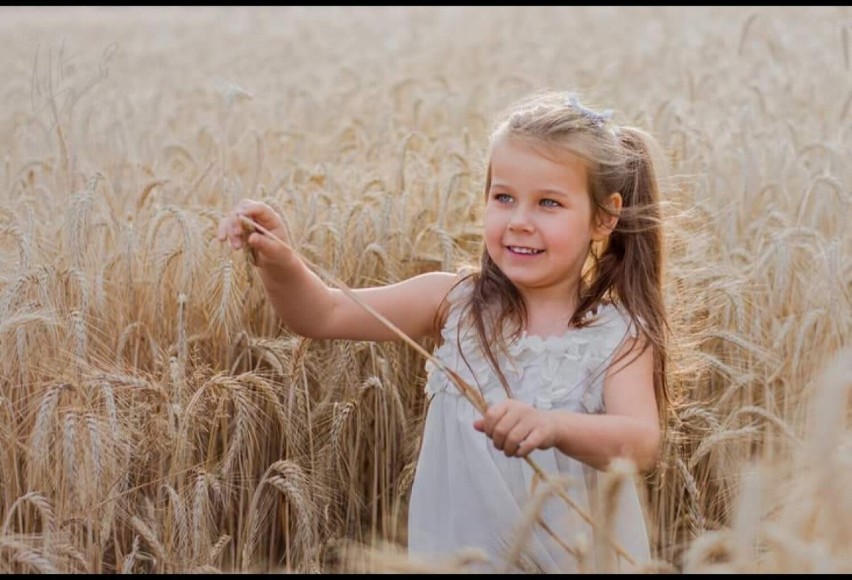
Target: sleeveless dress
x,y
468,494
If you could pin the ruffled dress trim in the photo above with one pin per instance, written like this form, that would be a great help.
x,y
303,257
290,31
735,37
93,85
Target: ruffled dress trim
x,y
559,371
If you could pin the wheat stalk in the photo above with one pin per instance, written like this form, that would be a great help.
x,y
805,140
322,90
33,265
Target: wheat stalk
x,y
69,452
530,517
217,548
150,537
202,513
130,558
180,520
42,505
467,391
95,450
24,554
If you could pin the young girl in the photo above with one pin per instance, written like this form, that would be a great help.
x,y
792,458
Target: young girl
x,y
561,327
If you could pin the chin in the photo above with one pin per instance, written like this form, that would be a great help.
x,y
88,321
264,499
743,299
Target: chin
x,y
521,280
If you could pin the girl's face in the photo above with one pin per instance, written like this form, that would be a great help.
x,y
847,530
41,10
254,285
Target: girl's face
x,y
538,217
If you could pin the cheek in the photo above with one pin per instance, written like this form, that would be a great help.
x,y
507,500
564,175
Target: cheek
x,y
492,233
492,244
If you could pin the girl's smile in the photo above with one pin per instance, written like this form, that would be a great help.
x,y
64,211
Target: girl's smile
x,y
538,217
522,251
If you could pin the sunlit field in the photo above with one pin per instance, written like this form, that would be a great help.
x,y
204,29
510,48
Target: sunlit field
x,y
156,418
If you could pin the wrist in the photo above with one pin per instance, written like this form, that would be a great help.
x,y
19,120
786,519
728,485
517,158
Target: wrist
x,y
550,419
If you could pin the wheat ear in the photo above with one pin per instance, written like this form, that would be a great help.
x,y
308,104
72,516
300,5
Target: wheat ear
x,y
472,395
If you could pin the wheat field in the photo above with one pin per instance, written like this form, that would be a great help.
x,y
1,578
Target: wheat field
x,y
155,417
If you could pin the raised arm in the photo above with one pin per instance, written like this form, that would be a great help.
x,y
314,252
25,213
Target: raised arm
x,y
309,307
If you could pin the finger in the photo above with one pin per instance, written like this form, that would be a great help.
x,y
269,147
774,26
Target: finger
x,y
515,438
261,243
259,212
247,205
493,416
503,429
235,234
531,442
479,425
224,231
268,222
236,227
525,446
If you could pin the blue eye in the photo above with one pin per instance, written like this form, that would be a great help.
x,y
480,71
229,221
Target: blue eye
x,y
550,203
502,197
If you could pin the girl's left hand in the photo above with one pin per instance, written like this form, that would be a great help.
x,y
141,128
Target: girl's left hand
x,y
517,428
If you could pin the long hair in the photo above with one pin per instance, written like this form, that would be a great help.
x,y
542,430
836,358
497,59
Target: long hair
x,y
626,269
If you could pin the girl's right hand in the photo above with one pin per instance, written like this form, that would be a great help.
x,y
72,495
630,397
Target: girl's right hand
x,y
265,249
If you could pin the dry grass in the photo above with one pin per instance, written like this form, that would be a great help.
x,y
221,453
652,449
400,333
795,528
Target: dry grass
x,y
156,418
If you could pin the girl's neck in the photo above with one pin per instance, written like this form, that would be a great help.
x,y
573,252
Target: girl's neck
x,y
548,317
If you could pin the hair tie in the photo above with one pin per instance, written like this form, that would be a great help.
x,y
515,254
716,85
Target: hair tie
x,y
597,119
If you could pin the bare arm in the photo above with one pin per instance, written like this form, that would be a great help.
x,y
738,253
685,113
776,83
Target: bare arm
x,y
630,428
311,308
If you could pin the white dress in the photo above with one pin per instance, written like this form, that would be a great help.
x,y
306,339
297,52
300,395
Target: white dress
x,y
468,494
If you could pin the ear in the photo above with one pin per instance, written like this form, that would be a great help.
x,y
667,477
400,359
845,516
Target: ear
x,y
604,222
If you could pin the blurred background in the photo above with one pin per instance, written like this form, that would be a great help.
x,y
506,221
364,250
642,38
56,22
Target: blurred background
x,y
157,418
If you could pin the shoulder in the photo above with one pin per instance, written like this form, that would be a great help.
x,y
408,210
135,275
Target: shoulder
x,y
612,327
439,280
614,318
436,285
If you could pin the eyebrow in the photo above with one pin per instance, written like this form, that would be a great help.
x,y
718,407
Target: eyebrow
x,y
555,192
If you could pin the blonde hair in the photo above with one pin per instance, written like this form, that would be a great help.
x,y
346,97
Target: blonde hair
x,y
627,268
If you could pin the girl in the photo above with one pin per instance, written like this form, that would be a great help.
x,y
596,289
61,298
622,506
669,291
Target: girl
x,y
562,328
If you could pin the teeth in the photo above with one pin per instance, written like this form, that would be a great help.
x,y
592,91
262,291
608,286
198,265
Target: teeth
x,y
518,250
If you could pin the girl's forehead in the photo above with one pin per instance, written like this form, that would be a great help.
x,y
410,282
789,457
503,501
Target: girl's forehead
x,y
562,153
534,164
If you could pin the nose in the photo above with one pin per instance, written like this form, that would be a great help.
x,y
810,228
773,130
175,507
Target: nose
x,y
520,221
